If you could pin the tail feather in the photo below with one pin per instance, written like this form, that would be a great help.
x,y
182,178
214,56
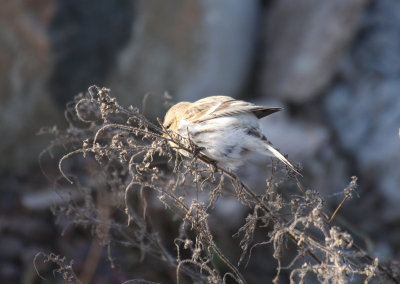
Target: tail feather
x,y
280,157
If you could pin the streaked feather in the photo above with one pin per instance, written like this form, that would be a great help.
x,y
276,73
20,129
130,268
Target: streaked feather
x,y
219,106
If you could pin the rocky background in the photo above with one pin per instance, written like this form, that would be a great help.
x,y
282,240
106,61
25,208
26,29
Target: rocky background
x,y
333,65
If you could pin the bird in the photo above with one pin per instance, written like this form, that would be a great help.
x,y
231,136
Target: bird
x,y
225,130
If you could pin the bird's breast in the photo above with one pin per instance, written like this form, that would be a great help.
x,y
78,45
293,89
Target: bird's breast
x,y
224,139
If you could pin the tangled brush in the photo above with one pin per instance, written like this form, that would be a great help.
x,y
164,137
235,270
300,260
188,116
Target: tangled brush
x,y
125,166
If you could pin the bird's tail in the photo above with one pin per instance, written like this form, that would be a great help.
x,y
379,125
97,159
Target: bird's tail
x,y
280,157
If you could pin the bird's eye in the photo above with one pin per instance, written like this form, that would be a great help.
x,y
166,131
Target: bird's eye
x,y
167,125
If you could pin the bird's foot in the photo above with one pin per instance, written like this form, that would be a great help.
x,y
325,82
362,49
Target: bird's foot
x,y
213,165
197,150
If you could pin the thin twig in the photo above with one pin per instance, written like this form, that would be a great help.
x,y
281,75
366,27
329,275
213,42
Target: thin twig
x,y
346,197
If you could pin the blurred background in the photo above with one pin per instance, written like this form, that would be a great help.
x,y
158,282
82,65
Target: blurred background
x,y
334,66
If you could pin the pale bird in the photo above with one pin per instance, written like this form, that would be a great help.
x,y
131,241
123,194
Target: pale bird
x,y
225,130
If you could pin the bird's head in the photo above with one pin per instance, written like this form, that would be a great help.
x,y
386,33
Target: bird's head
x,y
174,115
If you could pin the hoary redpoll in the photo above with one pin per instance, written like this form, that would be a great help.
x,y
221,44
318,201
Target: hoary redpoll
x,y
225,130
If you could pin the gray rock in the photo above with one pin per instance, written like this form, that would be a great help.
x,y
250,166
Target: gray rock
x,y
367,119
191,49
364,108
25,67
49,52
304,42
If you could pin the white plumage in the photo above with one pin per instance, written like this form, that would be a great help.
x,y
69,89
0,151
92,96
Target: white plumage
x,y
226,130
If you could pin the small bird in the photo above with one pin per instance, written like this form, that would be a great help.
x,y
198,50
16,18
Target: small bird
x,y
225,129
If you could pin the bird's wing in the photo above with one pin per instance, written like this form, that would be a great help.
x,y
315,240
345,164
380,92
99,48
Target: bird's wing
x,y
219,106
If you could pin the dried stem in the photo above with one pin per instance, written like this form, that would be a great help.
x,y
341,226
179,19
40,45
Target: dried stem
x,y
137,156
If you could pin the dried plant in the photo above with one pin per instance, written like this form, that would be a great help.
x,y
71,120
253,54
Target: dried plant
x,y
64,269
137,161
